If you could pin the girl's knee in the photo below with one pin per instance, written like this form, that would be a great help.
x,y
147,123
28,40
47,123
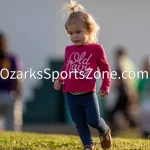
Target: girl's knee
x,y
93,123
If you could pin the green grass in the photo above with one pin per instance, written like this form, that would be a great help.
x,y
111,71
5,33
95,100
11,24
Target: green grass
x,y
30,141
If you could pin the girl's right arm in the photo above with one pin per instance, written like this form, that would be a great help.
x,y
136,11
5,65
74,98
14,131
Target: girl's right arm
x,y
60,80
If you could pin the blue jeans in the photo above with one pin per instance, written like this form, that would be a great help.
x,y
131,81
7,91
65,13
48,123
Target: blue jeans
x,y
84,110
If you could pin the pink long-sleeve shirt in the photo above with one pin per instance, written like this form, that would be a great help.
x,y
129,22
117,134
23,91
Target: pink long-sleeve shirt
x,y
81,66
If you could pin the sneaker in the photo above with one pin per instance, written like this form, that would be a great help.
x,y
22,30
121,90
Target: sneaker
x,y
106,140
89,147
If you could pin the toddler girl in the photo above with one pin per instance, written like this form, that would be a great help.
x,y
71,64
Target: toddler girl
x,y
78,76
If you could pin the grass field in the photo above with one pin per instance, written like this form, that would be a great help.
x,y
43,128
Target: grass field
x,y
31,141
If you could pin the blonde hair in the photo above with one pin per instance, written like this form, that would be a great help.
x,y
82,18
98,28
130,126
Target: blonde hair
x,y
79,14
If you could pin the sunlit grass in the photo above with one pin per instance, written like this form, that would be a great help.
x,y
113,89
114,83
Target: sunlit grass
x,y
30,141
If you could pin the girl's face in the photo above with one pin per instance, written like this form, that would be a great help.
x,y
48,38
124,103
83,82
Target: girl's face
x,y
79,35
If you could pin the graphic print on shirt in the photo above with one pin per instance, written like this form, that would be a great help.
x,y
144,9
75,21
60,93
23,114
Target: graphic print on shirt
x,y
79,63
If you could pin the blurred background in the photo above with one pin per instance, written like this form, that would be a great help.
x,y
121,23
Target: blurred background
x,y
36,34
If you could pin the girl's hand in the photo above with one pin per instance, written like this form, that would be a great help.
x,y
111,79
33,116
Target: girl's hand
x,y
102,93
57,85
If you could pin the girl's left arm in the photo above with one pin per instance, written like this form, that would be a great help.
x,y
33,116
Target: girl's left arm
x,y
105,70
